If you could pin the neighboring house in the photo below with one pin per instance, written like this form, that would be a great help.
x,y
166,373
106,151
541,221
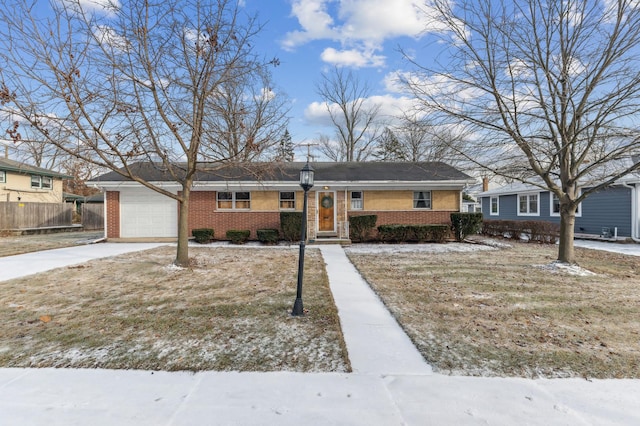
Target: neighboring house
x,y
609,213
21,182
252,196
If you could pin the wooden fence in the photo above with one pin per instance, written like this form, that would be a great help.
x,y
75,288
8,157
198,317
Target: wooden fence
x,y
92,216
19,215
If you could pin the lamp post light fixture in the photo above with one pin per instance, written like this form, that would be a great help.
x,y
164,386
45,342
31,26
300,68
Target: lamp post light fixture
x,y
306,182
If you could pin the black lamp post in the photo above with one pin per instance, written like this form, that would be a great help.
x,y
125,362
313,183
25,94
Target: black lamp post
x,y
306,182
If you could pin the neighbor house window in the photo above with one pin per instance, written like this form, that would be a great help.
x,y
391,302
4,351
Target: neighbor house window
x,y
36,182
356,200
287,200
495,206
47,182
3,176
528,205
555,206
234,200
422,199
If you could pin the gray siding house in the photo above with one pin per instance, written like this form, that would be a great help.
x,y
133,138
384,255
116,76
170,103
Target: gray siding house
x,y
612,212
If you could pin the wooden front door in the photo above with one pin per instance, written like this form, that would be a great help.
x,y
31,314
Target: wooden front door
x,y
326,212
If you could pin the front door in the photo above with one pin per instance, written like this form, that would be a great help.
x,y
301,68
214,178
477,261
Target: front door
x,y
326,212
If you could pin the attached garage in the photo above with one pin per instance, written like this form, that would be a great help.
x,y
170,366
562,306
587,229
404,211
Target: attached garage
x,y
146,214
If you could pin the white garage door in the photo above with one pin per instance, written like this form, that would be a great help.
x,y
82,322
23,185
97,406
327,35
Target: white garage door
x,y
146,213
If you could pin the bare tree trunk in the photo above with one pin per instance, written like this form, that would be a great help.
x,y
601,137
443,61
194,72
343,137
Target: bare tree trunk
x,y
182,253
567,221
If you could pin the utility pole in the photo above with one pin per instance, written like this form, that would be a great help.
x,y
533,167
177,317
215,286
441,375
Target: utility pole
x,y
308,145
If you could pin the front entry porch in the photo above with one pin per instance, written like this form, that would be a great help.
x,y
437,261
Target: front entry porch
x,y
327,217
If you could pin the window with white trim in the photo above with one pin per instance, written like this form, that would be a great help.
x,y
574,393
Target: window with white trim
x,y
41,182
3,176
494,206
422,199
287,200
555,206
234,200
356,200
529,204
47,182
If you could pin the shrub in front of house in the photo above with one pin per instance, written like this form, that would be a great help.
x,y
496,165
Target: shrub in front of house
x,y
291,225
238,236
268,236
413,233
464,224
202,235
360,227
542,231
535,230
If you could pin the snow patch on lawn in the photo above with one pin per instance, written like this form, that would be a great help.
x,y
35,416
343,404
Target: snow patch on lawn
x,y
562,267
417,248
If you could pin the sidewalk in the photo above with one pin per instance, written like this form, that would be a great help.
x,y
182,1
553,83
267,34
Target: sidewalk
x,y
391,384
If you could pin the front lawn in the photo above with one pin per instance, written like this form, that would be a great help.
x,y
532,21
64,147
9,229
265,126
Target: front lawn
x,y
511,312
229,311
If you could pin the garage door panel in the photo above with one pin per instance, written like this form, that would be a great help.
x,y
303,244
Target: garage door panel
x,y
147,214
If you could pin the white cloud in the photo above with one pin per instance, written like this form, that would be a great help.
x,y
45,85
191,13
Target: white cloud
x,y
315,21
360,26
352,58
108,36
104,6
391,108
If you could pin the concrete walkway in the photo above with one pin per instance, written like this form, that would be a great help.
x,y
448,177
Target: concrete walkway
x,y
375,342
391,384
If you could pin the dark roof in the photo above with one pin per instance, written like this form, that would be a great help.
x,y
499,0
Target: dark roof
x,y
25,169
289,172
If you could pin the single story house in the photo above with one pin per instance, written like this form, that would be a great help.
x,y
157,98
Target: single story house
x,y
251,196
21,182
609,213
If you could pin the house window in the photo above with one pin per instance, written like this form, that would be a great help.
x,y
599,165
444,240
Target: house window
x,y
495,206
234,200
422,199
47,182
356,200
555,206
3,176
243,200
287,200
528,205
36,182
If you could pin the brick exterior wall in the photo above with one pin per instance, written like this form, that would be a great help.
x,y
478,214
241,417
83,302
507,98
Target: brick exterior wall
x,y
203,214
113,214
407,217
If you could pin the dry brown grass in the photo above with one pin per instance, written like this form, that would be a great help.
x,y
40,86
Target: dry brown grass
x,y
500,313
12,245
229,311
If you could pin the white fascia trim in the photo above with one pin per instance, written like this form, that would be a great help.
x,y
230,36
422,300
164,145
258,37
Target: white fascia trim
x,y
130,184
290,186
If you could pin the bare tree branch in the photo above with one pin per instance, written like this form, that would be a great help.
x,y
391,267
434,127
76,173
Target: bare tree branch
x,y
546,92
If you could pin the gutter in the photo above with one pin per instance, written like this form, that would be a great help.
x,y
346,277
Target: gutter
x,y
634,211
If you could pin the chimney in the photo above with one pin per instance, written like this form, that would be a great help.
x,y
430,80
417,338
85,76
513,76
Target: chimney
x,y
485,184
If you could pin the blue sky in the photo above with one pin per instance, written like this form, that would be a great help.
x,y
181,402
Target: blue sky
x,y
312,36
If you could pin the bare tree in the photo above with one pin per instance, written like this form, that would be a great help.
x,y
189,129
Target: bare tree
x,y
246,116
331,149
548,90
131,81
354,118
421,140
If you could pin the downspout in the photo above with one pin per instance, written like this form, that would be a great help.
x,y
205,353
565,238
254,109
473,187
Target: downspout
x,y
634,211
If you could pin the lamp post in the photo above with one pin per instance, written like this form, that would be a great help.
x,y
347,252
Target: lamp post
x,y
306,182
